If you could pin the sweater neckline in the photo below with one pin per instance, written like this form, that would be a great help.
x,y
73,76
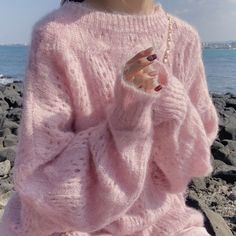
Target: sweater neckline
x,y
118,21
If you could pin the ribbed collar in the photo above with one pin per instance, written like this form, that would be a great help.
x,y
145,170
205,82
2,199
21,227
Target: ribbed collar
x,y
117,21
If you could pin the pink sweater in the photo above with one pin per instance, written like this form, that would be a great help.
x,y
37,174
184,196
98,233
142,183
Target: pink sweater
x,y
97,156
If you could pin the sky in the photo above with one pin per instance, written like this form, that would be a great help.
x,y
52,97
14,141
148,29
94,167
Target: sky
x,y
215,20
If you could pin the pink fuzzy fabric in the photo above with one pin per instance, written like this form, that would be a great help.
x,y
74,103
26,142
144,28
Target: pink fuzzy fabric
x,y
97,156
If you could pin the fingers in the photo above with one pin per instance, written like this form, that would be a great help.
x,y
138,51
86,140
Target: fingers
x,y
146,83
136,66
152,73
142,72
143,53
138,63
147,71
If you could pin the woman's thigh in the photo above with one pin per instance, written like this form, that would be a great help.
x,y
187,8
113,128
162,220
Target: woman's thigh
x,y
193,231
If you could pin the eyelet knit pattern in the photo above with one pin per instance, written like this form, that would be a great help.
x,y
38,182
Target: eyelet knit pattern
x,y
97,156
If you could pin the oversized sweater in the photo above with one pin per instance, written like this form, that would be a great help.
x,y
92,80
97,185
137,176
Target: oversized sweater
x,y
96,155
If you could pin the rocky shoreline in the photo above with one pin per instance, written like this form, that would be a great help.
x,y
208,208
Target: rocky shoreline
x,y
215,195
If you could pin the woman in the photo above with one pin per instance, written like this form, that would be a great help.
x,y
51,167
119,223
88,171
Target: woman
x,y
111,135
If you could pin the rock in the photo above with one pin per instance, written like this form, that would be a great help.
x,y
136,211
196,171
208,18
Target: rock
x,y
1,142
213,222
216,222
5,167
225,172
2,119
14,114
13,126
225,151
6,132
229,131
3,104
16,86
213,195
8,153
231,103
199,183
232,158
231,144
217,145
6,185
2,87
12,97
219,103
232,195
4,198
217,164
223,154
10,140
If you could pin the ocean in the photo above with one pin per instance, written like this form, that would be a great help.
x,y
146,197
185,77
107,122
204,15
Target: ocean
x,y
220,66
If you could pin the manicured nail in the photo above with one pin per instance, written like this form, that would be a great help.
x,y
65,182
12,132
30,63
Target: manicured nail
x,y
159,87
152,57
149,49
152,73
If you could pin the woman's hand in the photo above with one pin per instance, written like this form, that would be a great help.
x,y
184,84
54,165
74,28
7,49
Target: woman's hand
x,y
139,71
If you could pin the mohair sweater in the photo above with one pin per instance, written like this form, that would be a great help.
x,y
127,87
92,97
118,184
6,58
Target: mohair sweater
x,y
96,155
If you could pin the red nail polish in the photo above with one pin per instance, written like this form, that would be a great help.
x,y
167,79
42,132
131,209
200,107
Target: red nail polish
x,y
159,87
152,57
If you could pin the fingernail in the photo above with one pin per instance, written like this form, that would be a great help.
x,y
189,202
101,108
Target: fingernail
x,y
152,57
149,49
152,73
159,87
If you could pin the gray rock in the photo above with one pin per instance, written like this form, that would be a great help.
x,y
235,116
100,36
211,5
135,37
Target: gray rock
x,y
232,195
230,129
232,158
12,97
231,103
4,198
229,143
6,132
5,167
223,154
10,140
1,142
15,114
8,153
225,172
6,184
199,183
3,104
13,126
217,145
213,222
217,223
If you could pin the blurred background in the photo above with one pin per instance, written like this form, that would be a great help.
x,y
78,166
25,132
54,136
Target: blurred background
x,y
215,21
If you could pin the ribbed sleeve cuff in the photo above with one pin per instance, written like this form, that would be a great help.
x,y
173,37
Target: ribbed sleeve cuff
x,y
132,106
172,103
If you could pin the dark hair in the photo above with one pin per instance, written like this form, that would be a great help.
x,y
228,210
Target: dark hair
x,y
63,1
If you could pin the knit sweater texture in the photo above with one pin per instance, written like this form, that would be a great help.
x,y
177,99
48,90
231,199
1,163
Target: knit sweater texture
x,y
96,155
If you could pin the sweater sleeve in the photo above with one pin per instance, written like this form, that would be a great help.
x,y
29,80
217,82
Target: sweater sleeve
x,y
76,181
189,122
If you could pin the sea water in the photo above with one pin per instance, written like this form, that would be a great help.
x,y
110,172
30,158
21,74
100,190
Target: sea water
x,y
220,66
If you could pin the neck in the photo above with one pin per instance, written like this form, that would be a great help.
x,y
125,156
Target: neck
x,y
130,6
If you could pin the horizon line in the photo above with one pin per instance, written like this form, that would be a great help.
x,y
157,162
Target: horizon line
x,y
215,41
